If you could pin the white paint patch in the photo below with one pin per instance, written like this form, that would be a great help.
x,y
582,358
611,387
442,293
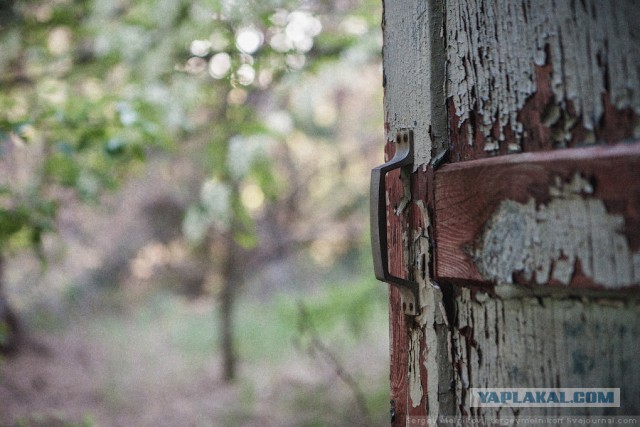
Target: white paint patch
x,y
435,347
544,242
415,383
494,46
426,359
426,317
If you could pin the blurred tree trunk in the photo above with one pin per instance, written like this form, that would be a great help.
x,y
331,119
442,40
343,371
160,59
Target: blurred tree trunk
x,y
231,276
9,327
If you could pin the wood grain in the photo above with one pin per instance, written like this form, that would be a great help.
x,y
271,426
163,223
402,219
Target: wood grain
x,y
468,194
546,342
407,344
399,342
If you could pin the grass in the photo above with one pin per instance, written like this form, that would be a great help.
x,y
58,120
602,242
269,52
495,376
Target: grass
x,y
37,420
163,355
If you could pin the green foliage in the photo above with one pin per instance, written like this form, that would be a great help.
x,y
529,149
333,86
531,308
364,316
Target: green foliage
x,y
88,88
25,225
69,116
39,420
248,54
5,333
350,305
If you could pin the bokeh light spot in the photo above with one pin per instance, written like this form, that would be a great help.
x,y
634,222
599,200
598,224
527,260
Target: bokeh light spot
x,y
219,65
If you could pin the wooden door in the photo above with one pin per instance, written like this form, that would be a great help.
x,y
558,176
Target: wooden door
x,y
518,218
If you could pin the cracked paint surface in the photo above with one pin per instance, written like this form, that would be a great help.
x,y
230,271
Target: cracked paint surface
x,y
548,341
494,47
545,242
415,382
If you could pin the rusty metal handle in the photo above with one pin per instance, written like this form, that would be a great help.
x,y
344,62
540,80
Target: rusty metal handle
x,y
378,211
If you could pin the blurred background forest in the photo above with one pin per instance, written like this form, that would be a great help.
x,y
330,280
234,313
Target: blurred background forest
x,y
183,213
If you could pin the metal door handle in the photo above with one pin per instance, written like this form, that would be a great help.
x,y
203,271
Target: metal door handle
x,y
378,215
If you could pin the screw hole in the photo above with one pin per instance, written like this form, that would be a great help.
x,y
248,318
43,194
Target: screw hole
x,y
404,306
411,306
406,138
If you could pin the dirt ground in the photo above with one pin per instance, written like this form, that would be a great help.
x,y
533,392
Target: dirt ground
x,y
63,379
126,373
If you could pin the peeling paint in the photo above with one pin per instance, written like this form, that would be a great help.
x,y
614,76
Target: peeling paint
x,y
415,382
493,48
433,349
545,242
422,255
414,75
406,198
546,342
425,299
588,52
424,329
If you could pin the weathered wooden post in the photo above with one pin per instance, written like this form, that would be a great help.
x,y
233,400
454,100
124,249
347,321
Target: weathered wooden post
x,y
518,217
